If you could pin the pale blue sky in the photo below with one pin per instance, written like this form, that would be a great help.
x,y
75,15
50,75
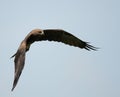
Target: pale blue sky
x,y
58,70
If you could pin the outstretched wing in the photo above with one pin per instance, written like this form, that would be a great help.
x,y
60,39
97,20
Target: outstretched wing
x,y
67,38
19,64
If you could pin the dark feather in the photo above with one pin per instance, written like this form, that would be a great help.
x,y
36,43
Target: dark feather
x,y
67,38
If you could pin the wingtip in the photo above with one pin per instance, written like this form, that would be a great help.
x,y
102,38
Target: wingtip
x,y
90,47
14,85
12,89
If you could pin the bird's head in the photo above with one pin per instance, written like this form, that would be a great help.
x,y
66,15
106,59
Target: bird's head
x,y
37,32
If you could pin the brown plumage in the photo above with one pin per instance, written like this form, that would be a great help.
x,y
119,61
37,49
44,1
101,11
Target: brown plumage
x,y
39,35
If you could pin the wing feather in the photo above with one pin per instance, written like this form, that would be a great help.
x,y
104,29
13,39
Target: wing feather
x,y
19,64
67,38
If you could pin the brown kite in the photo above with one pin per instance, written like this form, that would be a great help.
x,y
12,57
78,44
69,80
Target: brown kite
x,y
41,35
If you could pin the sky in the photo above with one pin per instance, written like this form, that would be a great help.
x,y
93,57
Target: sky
x,y
54,69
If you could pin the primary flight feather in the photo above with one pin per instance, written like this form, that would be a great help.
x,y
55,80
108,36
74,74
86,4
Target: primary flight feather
x,y
40,35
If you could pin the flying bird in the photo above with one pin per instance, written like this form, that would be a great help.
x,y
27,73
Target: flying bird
x,y
57,35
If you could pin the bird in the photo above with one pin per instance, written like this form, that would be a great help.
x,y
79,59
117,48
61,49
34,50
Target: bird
x,y
58,35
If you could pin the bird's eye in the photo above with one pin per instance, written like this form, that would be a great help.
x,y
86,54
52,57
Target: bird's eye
x,y
42,32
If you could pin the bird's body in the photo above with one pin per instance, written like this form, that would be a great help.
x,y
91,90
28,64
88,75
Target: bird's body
x,y
41,35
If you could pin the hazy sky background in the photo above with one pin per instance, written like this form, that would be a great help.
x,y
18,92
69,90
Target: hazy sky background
x,y
53,69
